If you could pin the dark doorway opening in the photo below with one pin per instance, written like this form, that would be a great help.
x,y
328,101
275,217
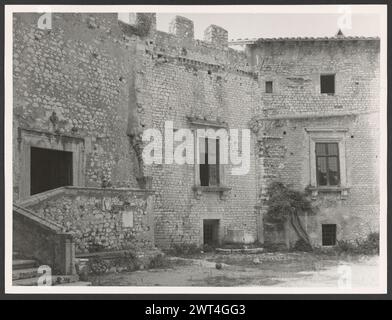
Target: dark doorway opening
x,y
49,169
329,234
211,232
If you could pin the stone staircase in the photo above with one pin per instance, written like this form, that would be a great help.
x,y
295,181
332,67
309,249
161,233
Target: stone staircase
x,y
25,273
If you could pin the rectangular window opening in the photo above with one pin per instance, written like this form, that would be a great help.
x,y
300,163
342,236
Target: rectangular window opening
x,y
327,164
329,234
327,84
209,162
49,169
268,87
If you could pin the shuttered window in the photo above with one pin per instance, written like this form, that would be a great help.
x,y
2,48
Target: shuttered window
x,y
209,161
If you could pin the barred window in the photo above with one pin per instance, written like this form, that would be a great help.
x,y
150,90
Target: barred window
x,y
327,164
209,161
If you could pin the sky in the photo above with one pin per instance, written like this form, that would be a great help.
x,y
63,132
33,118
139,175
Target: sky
x,y
265,25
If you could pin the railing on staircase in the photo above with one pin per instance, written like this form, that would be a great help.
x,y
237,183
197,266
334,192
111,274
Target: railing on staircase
x,y
43,240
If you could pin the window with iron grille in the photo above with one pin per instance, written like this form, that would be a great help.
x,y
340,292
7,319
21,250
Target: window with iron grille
x,y
329,234
209,162
327,164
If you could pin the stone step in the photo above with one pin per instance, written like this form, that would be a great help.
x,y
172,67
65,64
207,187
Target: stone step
x,y
242,250
23,264
56,280
24,273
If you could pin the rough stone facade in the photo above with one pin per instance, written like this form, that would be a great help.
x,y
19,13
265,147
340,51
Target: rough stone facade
x,y
71,93
80,69
196,79
92,84
99,219
296,112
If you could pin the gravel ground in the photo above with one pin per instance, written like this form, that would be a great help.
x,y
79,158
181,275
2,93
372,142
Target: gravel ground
x,y
267,269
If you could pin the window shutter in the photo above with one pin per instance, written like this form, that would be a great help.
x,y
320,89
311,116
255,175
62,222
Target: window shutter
x,y
213,162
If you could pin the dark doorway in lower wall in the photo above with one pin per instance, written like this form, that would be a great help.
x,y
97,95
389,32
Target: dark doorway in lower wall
x,y
329,234
211,232
49,169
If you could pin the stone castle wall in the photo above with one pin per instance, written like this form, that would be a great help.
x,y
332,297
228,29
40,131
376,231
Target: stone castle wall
x,y
92,84
295,68
81,70
183,78
296,112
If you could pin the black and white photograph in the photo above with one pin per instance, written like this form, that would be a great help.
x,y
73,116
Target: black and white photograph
x,y
196,149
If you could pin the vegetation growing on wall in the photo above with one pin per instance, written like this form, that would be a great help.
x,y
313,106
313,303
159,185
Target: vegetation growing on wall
x,y
286,205
368,246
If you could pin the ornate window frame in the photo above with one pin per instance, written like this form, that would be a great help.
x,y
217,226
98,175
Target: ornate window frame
x,y
222,189
328,135
28,138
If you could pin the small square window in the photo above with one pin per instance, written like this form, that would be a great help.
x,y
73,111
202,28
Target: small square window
x,y
268,87
329,234
327,84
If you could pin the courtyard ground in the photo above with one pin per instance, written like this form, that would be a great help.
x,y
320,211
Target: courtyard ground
x,y
287,269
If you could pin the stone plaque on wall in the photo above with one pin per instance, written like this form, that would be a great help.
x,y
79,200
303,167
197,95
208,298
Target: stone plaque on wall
x,y
127,219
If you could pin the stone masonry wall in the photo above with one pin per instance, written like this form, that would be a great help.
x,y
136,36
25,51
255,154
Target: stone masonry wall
x,y
296,107
287,159
107,81
199,79
103,82
100,219
295,68
81,70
